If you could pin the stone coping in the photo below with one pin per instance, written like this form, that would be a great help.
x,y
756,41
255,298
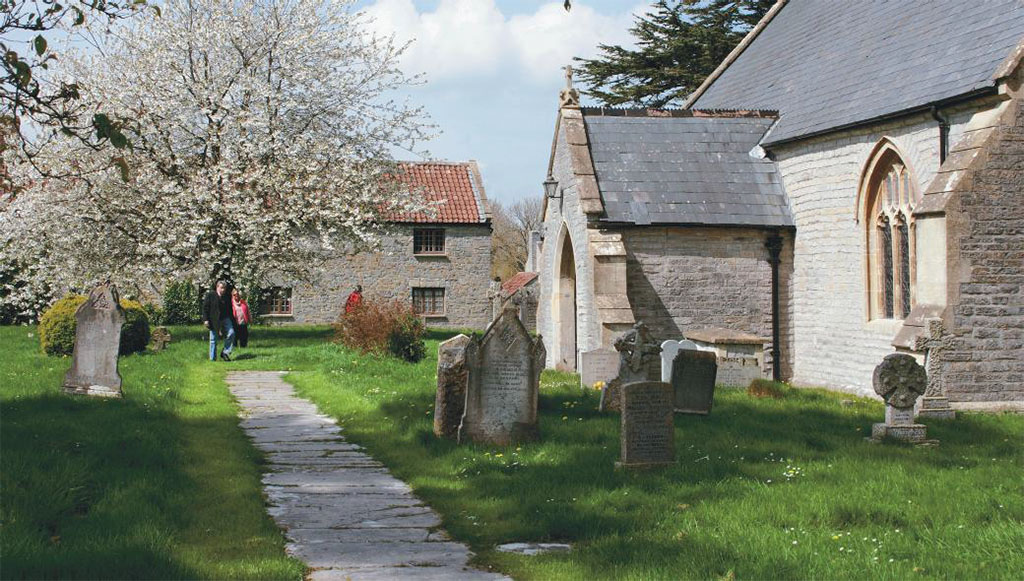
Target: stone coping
x,y
721,336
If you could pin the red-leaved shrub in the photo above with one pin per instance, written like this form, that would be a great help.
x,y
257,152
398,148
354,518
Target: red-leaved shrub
x,y
382,327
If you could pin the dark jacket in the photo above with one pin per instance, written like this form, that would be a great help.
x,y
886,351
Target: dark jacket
x,y
216,307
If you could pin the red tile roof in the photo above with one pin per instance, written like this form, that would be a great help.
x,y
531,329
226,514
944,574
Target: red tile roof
x,y
518,281
455,185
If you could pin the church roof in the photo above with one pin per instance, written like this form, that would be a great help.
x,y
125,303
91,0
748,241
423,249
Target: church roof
x,y
454,186
658,167
518,281
830,65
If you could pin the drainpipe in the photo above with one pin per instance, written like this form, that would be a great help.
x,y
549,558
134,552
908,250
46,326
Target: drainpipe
x,y
943,133
774,246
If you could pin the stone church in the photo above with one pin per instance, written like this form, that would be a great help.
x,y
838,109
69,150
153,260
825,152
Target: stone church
x,y
440,264
848,183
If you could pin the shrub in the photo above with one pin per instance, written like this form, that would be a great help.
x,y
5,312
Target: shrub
x,y
382,328
154,313
182,303
406,338
57,327
766,388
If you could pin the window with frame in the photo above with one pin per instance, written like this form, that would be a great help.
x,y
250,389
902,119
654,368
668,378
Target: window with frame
x,y
277,301
891,238
428,301
428,241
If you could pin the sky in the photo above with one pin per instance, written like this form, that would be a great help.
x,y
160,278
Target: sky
x,y
493,69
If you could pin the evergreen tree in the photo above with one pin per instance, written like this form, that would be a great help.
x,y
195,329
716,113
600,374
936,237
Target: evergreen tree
x,y
679,43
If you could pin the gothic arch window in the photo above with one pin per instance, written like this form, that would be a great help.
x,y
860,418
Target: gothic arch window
x,y
889,196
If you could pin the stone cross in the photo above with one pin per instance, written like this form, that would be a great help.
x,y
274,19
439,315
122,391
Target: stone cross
x,y
934,404
97,341
568,97
639,360
899,380
160,338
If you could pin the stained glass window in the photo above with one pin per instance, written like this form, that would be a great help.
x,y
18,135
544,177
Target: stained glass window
x,y
890,254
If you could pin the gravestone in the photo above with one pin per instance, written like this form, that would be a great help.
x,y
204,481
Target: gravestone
x,y
934,404
97,339
669,349
693,381
452,377
160,337
648,434
900,380
504,376
598,365
638,361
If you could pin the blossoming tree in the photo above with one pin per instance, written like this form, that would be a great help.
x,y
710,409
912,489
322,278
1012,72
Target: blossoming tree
x,y
259,134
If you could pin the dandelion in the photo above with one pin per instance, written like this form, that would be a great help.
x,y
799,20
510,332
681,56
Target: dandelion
x,y
835,537
599,385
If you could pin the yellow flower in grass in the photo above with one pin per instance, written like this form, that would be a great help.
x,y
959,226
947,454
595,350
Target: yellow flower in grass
x,y
599,385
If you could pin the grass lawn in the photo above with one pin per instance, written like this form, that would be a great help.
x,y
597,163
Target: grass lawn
x,y
164,484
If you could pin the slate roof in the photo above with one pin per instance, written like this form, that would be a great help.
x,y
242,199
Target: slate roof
x,y
685,170
518,281
453,185
826,65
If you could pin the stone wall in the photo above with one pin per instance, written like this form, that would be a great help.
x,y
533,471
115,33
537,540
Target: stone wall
x,y
684,279
833,344
986,230
392,272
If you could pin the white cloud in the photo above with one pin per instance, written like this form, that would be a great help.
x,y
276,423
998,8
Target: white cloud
x,y
472,38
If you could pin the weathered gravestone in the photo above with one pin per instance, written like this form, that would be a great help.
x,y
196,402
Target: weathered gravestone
x,y
669,350
900,380
504,376
160,337
693,381
648,433
934,404
97,339
452,377
598,365
638,361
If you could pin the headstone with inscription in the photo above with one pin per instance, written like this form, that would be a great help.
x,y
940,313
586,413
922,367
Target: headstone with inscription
x,y
648,433
936,341
669,350
596,365
638,361
693,381
504,376
97,339
900,380
452,377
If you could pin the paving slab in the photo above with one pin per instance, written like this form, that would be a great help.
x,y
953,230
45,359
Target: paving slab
x,y
343,513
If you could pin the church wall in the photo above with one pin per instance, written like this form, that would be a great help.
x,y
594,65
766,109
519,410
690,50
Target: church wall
x,y
392,271
986,360
684,279
566,210
833,343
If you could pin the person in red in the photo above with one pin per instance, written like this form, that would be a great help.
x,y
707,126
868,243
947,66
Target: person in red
x,y
240,313
354,299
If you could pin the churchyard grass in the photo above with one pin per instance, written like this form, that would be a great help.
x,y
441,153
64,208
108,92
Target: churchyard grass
x,y
164,484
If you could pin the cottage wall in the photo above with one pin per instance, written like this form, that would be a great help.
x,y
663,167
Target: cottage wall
x,y
392,272
833,343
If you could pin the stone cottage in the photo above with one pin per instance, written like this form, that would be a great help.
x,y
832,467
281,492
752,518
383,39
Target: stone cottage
x,y
440,264
863,160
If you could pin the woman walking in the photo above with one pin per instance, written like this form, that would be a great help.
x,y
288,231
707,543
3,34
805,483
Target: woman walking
x,y
240,312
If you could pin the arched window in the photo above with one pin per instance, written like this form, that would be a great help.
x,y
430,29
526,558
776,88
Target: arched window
x,y
889,199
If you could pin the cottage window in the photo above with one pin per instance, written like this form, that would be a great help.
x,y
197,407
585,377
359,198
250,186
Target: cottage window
x,y
889,221
428,241
428,301
277,301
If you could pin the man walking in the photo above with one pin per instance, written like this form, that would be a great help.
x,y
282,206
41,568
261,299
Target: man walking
x,y
217,318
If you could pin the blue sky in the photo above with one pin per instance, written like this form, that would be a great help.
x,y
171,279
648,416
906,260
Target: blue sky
x,y
493,72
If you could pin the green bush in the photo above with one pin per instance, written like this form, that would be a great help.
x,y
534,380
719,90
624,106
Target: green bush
x,y
57,327
406,338
181,304
154,313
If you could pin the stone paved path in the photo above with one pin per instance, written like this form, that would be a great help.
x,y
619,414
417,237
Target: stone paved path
x,y
344,514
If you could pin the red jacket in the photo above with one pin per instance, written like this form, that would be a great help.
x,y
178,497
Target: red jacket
x,y
353,301
240,309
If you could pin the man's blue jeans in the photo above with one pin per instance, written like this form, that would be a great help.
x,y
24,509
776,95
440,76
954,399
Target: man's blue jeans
x,y
229,338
